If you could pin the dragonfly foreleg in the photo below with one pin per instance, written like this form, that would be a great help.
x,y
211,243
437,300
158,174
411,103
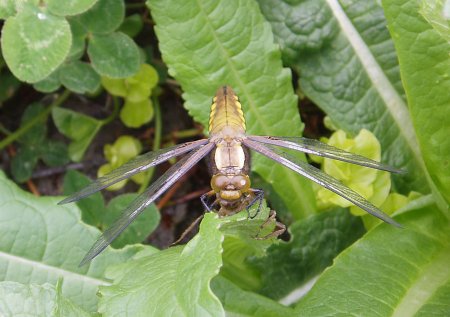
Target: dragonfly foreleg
x,y
280,228
205,200
257,195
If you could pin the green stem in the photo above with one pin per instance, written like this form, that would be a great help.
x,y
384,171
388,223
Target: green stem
x,y
156,143
115,112
29,124
188,133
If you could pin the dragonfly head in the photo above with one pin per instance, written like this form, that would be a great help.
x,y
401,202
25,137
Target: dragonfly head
x,y
230,188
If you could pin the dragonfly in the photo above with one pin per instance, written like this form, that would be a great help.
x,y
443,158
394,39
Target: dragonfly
x,y
228,147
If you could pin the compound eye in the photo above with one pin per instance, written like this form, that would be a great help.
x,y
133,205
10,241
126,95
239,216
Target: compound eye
x,y
219,182
241,182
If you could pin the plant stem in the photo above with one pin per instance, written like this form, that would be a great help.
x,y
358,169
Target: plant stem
x,y
113,115
28,125
156,142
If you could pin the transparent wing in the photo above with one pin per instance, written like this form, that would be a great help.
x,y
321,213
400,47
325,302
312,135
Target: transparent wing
x,y
321,149
146,198
316,175
136,165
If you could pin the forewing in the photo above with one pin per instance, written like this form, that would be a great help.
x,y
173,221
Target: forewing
x,y
321,178
145,199
136,165
318,148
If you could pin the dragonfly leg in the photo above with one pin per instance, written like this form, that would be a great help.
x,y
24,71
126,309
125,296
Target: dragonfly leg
x,y
257,195
205,200
280,228
188,229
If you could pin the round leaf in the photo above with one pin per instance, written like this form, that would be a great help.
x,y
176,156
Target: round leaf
x,y
35,43
114,55
69,7
79,77
132,25
49,84
78,39
7,9
115,86
136,114
105,17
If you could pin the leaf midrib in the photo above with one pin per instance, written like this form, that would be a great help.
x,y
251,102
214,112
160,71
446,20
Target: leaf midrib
x,y
49,268
393,101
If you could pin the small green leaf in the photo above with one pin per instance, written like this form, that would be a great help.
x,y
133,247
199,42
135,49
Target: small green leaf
x,y
104,17
139,229
136,114
49,245
48,84
93,206
72,7
36,134
79,35
22,165
390,271
79,77
54,153
122,150
7,9
35,43
81,129
116,87
8,86
35,300
114,55
132,25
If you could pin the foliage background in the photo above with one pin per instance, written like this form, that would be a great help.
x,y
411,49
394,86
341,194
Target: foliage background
x,y
75,76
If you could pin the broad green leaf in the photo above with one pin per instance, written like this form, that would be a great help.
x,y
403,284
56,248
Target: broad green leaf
x,y
315,242
34,43
35,300
48,84
425,67
81,129
132,25
104,17
238,302
176,281
437,13
114,55
72,7
390,271
79,77
42,242
136,114
139,229
348,67
93,206
208,44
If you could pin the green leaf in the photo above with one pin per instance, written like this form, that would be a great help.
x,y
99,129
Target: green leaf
x,y
314,243
81,129
23,164
434,11
104,17
72,7
48,84
132,25
136,114
114,55
208,44
425,69
8,86
42,242
54,153
241,303
348,67
390,271
35,300
34,43
36,134
79,77
7,9
139,229
79,35
93,206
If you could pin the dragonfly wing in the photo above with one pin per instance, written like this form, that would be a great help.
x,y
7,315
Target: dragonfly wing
x,y
137,165
316,175
318,148
145,199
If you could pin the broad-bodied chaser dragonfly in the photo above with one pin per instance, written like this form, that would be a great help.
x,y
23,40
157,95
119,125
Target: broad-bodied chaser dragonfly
x,y
228,145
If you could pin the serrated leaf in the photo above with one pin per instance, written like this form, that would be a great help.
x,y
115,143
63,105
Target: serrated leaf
x,y
114,55
72,7
54,153
139,229
35,300
79,77
136,114
390,271
238,302
49,84
34,43
93,206
42,242
208,44
351,73
81,129
425,67
104,17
